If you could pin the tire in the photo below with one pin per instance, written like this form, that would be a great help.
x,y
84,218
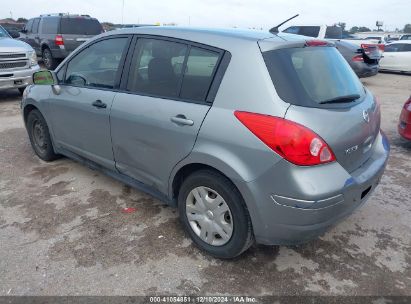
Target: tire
x,y
48,60
40,137
21,90
214,186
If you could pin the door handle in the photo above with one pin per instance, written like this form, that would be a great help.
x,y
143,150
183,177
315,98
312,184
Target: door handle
x,y
99,104
182,120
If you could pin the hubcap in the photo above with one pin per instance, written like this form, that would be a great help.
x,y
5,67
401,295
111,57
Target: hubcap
x,y
209,216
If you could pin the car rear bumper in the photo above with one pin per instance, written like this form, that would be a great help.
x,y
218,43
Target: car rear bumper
x,y
293,204
17,78
59,53
363,69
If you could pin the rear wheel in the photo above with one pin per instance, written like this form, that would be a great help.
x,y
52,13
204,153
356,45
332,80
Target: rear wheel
x,y
48,60
40,137
214,214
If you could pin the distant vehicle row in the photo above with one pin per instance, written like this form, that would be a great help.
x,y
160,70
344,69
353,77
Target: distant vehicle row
x,y
54,37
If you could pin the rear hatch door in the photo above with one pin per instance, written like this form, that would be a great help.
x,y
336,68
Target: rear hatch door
x,y
326,96
77,30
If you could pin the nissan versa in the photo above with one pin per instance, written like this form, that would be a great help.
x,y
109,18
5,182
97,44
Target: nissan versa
x,y
254,136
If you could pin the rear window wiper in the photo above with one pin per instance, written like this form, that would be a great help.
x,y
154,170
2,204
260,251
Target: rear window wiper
x,y
341,99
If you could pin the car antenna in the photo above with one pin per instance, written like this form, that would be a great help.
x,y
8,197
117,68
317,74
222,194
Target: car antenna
x,y
274,30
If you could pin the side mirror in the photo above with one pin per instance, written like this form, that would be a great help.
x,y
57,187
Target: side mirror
x,y
14,34
44,78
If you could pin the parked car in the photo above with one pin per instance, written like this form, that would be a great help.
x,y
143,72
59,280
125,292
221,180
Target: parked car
x,y
276,154
332,32
364,61
404,126
18,62
406,37
54,37
397,57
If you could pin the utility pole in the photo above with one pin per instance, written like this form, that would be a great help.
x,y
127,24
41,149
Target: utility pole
x,y
122,14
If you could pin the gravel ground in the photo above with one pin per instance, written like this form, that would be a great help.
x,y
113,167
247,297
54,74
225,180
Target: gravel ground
x,y
62,231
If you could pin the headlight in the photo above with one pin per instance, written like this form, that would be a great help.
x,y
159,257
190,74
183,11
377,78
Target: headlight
x,y
32,58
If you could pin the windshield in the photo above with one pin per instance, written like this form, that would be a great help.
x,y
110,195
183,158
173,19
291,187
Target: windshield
x,y
310,76
80,26
3,33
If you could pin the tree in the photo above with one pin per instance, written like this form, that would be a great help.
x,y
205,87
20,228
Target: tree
x,y
22,20
342,25
354,29
407,28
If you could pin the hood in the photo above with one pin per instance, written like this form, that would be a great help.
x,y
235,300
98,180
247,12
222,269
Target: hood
x,y
10,45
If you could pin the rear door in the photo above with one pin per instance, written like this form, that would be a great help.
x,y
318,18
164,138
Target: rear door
x,y
77,30
398,57
327,97
155,120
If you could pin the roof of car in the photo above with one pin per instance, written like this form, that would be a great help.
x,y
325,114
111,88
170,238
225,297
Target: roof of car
x,y
212,36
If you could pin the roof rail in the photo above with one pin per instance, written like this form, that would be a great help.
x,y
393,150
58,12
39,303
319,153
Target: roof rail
x,y
63,14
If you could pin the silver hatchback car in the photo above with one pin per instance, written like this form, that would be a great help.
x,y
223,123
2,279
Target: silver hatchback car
x,y
253,136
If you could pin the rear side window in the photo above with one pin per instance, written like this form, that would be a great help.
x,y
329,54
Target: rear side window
x,y
396,47
333,32
201,65
311,31
157,67
80,26
309,76
50,25
97,65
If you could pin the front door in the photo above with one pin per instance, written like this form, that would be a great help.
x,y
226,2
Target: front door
x,y
81,110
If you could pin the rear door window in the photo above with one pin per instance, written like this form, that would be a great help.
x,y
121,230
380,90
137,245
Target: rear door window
x,y
309,76
201,65
157,68
80,26
50,25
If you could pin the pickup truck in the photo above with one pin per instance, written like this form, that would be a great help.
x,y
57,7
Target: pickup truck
x,y
331,33
18,63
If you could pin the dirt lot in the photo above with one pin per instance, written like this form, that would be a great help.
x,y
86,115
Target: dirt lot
x,y
62,231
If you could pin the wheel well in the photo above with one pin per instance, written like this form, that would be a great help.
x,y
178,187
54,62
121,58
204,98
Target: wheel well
x,y
185,171
44,46
27,110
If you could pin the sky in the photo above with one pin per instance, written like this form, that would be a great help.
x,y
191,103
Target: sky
x,y
223,13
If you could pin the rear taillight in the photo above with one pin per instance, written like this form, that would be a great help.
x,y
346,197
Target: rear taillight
x,y
59,40
407,104
294,142
358,58
316,43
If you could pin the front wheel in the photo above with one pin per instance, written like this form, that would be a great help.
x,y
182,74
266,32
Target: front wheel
x,y
40,137
214,214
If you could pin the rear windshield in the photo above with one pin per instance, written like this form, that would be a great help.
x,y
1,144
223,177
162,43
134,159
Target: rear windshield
x,y
80,26
310,76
